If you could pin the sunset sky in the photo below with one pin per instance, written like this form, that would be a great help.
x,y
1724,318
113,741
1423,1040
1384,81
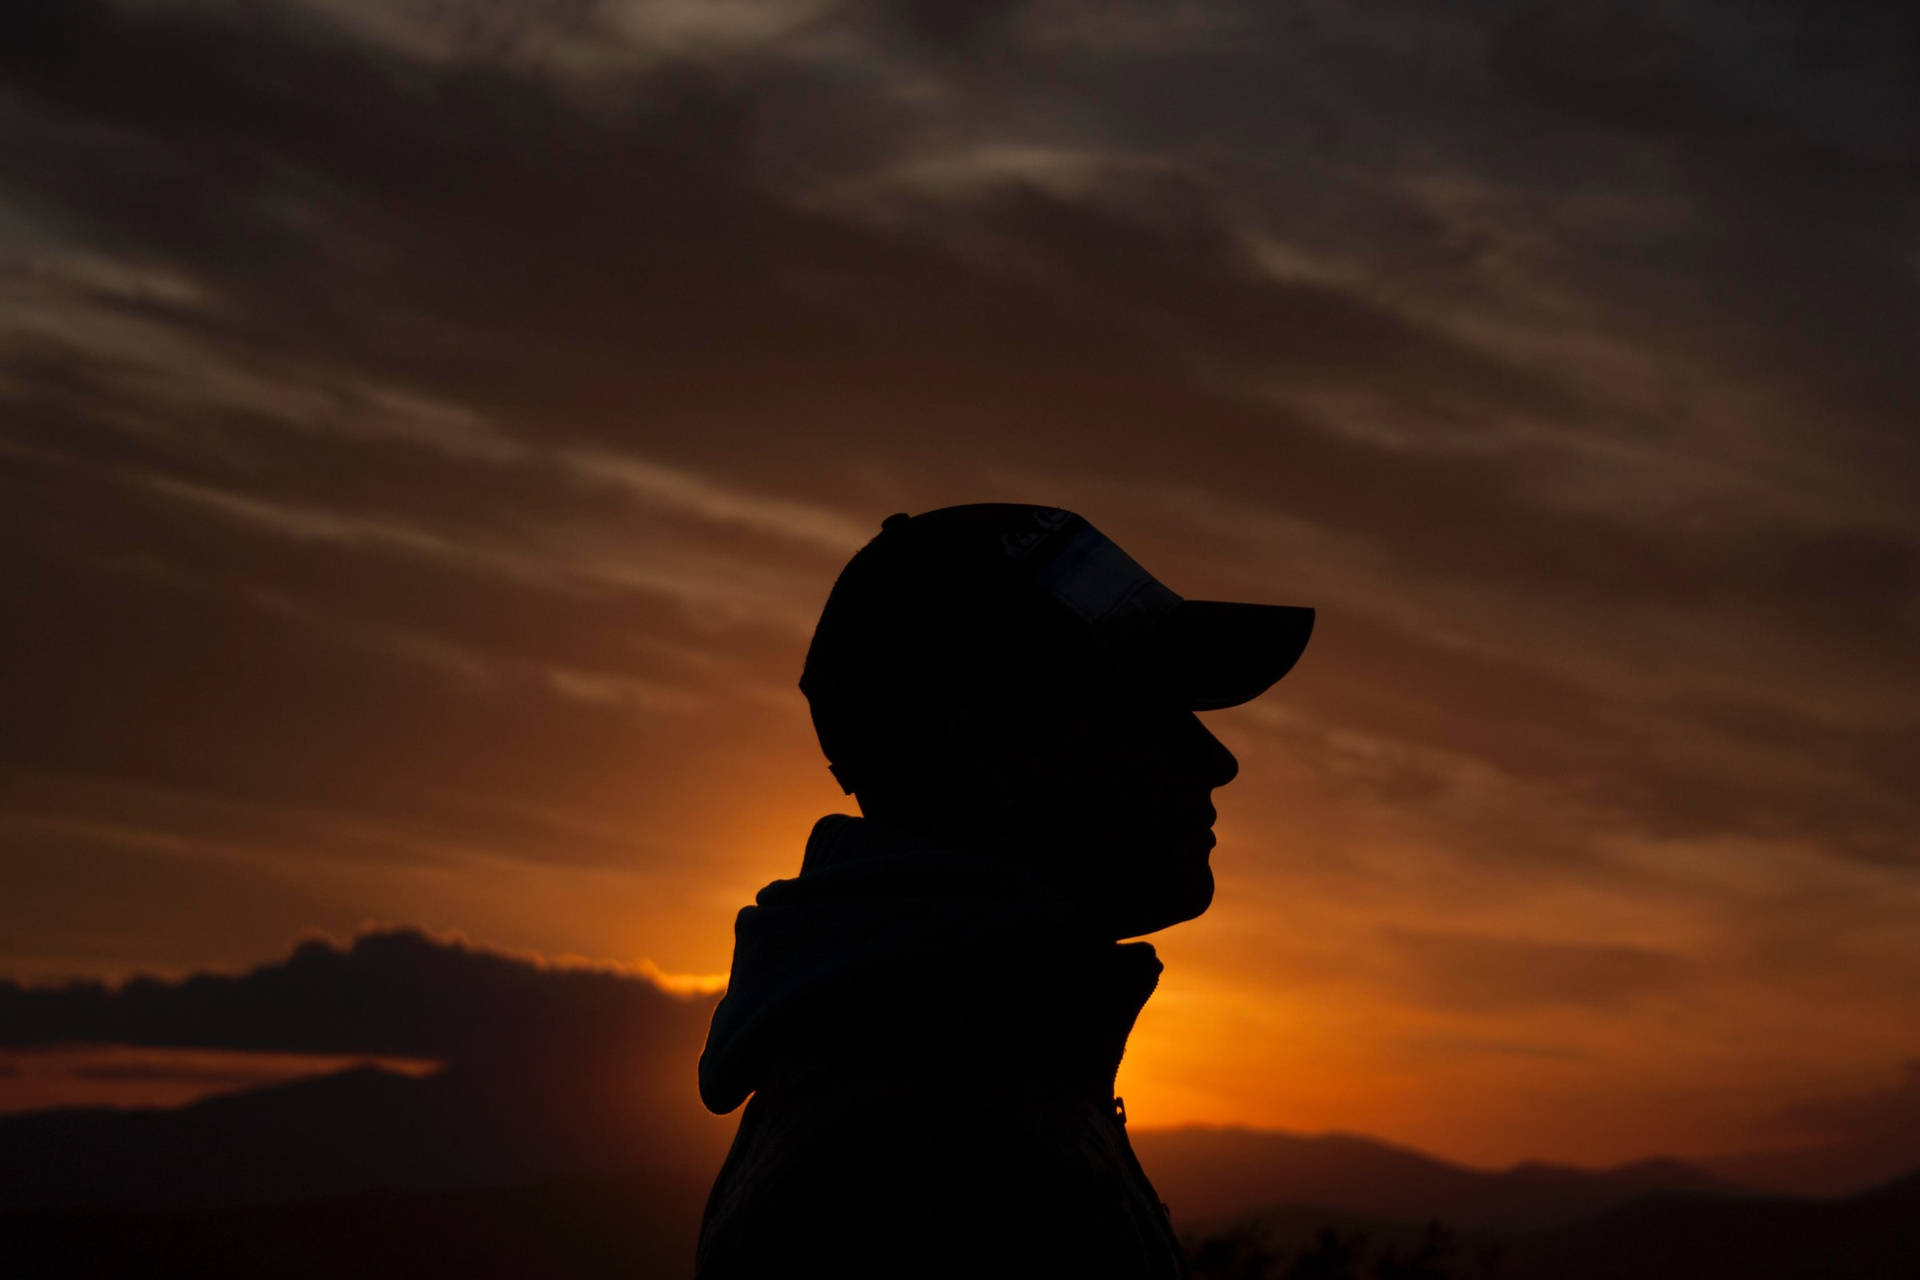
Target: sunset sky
x,y
429,428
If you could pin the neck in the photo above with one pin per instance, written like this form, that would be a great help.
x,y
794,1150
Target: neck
x,y
1092,887
1055,1014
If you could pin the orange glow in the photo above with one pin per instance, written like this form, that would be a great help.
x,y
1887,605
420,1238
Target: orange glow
x,y
127,1076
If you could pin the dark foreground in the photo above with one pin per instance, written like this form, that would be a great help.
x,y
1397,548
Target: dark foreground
x,y
637,1227
1874,1236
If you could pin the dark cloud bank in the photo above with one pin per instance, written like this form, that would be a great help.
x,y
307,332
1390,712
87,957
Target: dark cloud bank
x,y
548,1071
395,993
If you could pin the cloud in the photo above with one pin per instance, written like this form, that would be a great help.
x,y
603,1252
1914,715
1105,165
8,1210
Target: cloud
x,y
1621,65
630,348
1499,975
683,984
160,1071
392,993
680,491
1879,1115
510,1069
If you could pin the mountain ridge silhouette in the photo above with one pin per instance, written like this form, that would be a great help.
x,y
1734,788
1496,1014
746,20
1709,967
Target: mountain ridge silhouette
x,y
1220,1170
367,1129
557,1071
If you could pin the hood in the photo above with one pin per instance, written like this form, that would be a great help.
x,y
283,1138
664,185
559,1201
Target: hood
x,y
896,934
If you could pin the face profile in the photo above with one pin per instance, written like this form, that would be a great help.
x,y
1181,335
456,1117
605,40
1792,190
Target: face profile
x,y
1112,801
1014,705
1141,791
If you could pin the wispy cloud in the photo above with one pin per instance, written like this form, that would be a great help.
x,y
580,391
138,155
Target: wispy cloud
x,y
681,491
1495,974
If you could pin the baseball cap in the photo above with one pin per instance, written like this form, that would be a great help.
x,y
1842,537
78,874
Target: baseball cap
x,y
952,604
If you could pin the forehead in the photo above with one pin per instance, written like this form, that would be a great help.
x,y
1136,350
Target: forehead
x,y
1091,687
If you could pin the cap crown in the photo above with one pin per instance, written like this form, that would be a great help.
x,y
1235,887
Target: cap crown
x,y
996,608
961,604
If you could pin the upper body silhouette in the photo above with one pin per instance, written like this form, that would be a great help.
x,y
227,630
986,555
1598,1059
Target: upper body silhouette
x,y
930,1016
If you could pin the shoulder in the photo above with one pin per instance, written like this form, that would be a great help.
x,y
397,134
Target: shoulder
x,y
996,1178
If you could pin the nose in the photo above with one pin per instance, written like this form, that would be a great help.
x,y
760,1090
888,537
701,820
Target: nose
x,y
1216,764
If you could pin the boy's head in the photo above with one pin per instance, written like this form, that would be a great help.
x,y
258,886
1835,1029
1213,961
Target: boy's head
x,y
1005,679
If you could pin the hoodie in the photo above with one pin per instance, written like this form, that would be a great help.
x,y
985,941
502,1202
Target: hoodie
x,y
930,1042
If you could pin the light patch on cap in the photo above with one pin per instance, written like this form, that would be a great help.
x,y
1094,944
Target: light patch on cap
x,y
1102,584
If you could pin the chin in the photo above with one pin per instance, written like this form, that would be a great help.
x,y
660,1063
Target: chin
x,y
1194,894
1169,899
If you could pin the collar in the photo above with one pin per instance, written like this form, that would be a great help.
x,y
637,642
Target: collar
x,y
884,962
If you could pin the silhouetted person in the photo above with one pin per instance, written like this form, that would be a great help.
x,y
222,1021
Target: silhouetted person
x,y
931,1015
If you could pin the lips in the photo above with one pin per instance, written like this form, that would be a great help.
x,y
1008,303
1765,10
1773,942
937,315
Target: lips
x,y
1187,827
1199,840
1201,819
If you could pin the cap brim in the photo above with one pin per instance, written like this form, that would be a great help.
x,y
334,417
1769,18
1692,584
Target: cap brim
x,y
1211,654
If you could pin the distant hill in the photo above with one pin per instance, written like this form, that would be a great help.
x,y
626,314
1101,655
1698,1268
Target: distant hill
x,y
563,1137
1833,1169
367,1129
357,1130
475,1173
1211,1172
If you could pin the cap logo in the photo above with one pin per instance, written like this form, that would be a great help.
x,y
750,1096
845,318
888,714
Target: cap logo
x,y
1020,543
1101,583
